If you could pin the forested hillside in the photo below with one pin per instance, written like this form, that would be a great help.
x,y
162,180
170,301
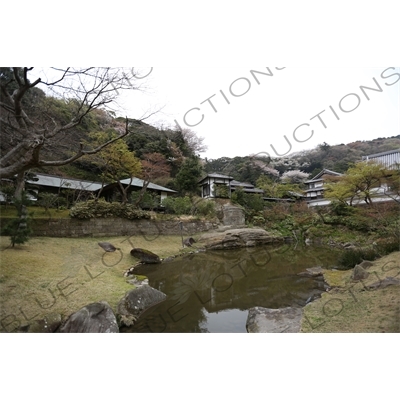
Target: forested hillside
x,y
337,158
144,139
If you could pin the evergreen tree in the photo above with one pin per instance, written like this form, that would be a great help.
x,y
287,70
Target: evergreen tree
x,y
19,229
189,175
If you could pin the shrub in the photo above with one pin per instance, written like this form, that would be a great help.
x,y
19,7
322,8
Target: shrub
x,y
255,202
350,258
47,200
103,209
149,201
341,209
258,220
238,197
19,229
19,232
252,203
177,205
204,208
222,191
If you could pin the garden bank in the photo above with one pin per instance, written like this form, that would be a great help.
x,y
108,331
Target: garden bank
x,y
101,227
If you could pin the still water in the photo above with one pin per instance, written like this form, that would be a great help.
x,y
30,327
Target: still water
x,y
213,291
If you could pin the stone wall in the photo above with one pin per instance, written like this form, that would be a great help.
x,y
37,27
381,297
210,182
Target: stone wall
x,y
106,227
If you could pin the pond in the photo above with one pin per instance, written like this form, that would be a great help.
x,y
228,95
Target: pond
x,y
212,292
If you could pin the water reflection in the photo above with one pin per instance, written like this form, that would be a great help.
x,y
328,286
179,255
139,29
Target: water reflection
x,y
211,292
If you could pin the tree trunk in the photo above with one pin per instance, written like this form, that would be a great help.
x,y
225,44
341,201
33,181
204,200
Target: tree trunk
x,y
142,193
20,186
124,192
19,201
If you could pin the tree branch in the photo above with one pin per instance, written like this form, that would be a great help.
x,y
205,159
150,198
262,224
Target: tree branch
x,y
82,152
91,88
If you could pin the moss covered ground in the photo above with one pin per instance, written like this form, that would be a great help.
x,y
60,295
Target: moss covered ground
x,y
351,307
53,275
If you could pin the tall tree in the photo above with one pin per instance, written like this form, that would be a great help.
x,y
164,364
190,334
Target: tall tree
x,y
189,174
358,182
115,162
392,189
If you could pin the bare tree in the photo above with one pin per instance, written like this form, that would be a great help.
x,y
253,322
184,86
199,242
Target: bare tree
x,y
26,127
194,143
31,135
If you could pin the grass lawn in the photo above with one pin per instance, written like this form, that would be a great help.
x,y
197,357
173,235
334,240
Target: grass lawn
x,y
54,275
38,212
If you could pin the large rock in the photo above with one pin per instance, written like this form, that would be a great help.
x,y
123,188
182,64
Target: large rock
x,y
266,320
233,216
145,256
94,318
236,238
312,272
390,281
136,302
359,273
366,264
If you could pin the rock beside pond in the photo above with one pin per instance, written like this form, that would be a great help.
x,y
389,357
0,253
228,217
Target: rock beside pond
x,y
94,318
366,264
145,256
108,247
312,272
237,238
384,284
233,215
359,273
49,324
266,320
135,281
349,246
136,302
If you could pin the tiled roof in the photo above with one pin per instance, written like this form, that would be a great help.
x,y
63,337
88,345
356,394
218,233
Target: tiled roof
x,y
139,183
385,153
242,184
65,183
76,184
216,176
323,172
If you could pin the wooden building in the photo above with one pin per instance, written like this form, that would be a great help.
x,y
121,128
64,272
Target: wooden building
x,y
217,185
82,190
316,186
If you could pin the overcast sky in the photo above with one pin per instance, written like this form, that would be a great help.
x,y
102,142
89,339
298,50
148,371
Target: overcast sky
x,y
255,111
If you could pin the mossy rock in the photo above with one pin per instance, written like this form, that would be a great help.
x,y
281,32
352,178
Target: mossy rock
x,y
146,256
